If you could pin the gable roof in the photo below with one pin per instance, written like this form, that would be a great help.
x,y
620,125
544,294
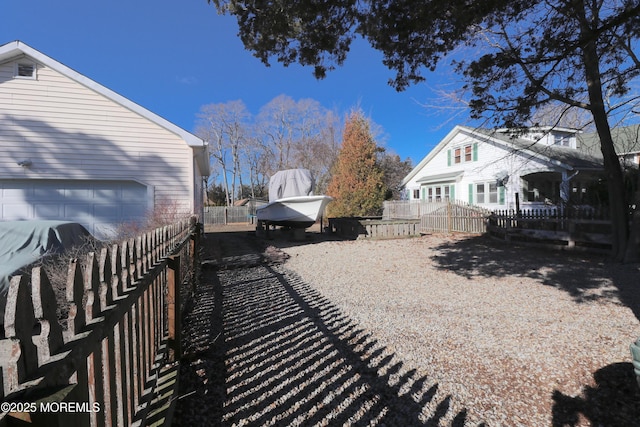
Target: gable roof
x,y
434,151
564,157
16,49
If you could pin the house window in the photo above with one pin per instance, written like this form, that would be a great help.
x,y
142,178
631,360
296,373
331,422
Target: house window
x,y
480,193
493,193
416,193
467,153
464,154
25,70
562,140
487,193
439,193
541,189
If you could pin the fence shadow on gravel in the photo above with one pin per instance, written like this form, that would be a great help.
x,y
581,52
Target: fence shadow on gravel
x,y
616,397
292,358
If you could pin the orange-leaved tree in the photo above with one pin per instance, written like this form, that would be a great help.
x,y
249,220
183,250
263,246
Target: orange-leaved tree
x,y
357,183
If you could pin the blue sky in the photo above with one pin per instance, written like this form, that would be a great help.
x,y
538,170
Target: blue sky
x,y
172,57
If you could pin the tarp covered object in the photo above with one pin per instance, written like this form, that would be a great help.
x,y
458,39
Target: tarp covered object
x,y
24,242
290,183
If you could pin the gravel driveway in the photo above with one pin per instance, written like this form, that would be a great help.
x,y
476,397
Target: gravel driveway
x,y
435,330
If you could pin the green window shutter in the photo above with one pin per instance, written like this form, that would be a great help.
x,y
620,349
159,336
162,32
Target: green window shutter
x,y
475,151
452,192
470,194
449,157
423,193
501,195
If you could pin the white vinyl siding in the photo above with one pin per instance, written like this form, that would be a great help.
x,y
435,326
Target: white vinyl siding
x,y
69,131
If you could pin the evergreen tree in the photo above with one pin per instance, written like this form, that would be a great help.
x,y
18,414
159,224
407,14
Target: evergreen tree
x,y
357,183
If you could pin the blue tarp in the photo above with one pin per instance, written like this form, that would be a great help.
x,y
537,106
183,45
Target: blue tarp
x,y
24,242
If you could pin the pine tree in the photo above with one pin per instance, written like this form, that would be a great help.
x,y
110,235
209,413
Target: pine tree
x,y
357,183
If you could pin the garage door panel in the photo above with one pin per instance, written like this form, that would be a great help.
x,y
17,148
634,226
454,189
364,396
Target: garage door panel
x,y
107,194
134,213
98,205
81,211
17,211
134,194
47,190
47,210
78,193
17,192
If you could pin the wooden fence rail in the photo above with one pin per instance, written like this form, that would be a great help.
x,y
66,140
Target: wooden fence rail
x,y
100,366
567,230
373,228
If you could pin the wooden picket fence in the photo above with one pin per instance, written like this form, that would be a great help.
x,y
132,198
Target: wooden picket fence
x,y
453,217
447,216
104,364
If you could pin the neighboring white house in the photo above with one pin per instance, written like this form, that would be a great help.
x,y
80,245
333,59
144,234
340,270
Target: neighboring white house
x,y
71,149
496,169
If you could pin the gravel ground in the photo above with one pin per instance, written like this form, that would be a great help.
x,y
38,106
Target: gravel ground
x,y
517,336
426,331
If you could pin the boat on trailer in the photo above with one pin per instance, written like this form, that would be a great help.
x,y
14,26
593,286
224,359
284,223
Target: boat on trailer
x,y
292,203
294,212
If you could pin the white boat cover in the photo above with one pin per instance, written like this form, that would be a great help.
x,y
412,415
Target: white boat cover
x,y
290,183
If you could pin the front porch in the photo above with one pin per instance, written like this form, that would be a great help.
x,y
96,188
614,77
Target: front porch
x,y
544,189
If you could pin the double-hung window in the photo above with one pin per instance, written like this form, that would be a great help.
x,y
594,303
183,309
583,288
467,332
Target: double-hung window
x,y
463,154
439,193
486,193
457,155
468,150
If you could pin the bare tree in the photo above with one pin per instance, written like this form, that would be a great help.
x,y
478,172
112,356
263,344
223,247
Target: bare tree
x,y
254,163
299,134
276,125
223,126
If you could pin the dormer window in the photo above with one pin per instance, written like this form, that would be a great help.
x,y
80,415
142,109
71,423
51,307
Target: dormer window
x,y
25,70
560,139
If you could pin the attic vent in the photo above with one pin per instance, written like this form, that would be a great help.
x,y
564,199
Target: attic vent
x,y
25,70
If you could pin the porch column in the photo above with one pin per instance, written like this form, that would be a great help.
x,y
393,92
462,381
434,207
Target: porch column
x,y
565,186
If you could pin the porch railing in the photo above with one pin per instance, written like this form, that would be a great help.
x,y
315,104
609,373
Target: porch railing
x,y
586,228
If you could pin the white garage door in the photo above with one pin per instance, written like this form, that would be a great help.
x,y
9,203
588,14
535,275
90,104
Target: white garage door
x,y
98,205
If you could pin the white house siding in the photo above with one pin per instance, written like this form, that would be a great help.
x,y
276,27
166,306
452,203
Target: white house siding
x,y
68,131
494,160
